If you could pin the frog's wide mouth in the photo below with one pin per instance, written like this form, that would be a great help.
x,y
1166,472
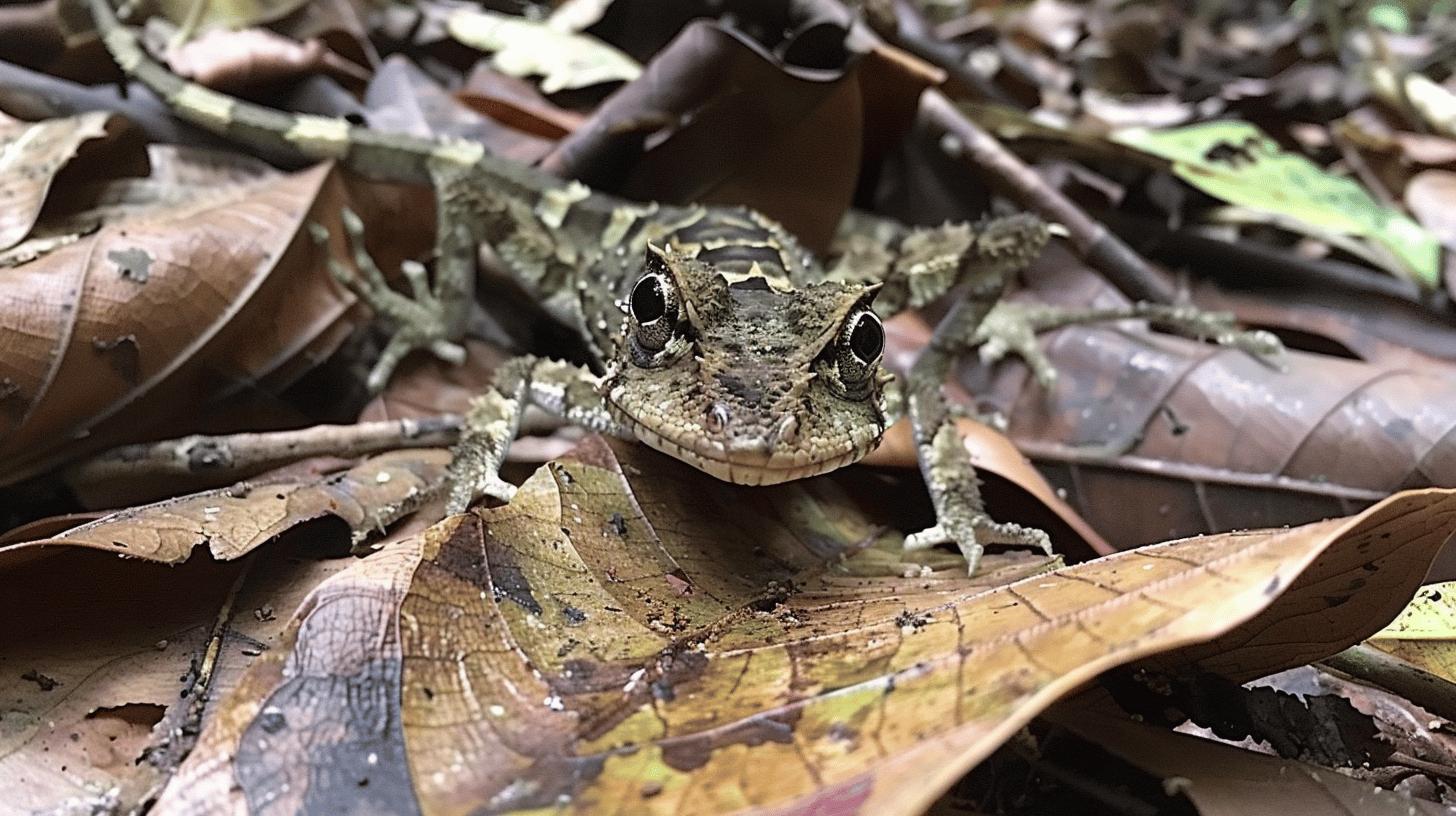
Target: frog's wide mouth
x,y
749,465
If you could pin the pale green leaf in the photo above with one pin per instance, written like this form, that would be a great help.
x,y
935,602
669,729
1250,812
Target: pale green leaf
x,y
1389,16
1236,162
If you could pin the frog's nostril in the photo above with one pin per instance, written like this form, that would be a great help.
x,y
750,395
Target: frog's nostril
x,y
717,417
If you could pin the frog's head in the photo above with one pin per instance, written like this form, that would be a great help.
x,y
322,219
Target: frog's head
x,y
745,378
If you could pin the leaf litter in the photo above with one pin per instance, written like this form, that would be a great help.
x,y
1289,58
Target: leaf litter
x,y
629,634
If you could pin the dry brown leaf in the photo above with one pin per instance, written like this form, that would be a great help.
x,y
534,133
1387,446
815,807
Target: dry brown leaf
x,y
104,661
713,92
1431,197
587,648
1205,439
516,103
98,649
187,291
1221,780
427,386
232,60
32,154
404,99
231,522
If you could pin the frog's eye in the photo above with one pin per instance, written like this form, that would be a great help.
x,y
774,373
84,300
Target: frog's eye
x,y
861,344
654,306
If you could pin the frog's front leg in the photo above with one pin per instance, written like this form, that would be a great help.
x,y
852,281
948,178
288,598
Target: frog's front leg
x,y
432,318
955,490
561,389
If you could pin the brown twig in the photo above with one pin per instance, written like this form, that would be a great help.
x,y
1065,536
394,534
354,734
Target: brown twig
x,y
178,734
1094,242
252,452
905,26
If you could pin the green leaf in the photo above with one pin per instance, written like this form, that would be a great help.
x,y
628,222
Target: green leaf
x,y
1236,162
1389,16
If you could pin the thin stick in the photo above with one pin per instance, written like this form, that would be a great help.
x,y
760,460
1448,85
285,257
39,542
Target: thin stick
x,y
252,452
1094,242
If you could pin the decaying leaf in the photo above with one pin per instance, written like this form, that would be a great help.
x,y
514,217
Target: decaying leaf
x,y
167,291
563,58
31,154
681,645
97,651
233,521
1221,780
1425,633
116,633
1212,439
1236,162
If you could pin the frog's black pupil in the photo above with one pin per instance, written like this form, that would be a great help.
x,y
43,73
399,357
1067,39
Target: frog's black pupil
x,y
648,303
867,339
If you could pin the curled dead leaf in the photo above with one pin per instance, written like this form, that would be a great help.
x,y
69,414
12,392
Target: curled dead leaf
x,y
607,640
1222,779
1212,439
127,327
31,156
231,522
107,664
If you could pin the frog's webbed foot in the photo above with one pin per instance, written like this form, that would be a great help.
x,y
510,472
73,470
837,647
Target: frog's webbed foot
x,y
961,517
1012,328
423,320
